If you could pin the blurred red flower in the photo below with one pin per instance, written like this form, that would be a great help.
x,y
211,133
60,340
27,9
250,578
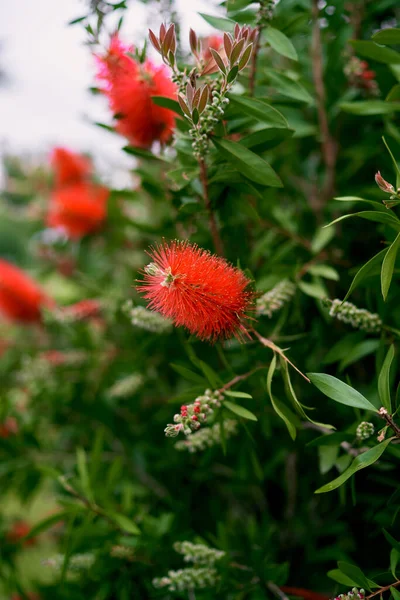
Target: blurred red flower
x,y
29,595
79,208
198,290
69,167
21,299
19,530
85,309
216,42
8,427
129,87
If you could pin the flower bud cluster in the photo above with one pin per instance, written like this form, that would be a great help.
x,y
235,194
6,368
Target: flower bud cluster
x,y
265,12
365,430
77,563
273,300
361,77
198,554
353,594
193,415
207,437
146,319
187,579
359,318
126,387
388,188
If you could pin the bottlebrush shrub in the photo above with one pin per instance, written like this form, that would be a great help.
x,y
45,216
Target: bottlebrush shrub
x,y
233,396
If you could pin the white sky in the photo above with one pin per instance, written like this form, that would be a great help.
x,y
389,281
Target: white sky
x,y
46,100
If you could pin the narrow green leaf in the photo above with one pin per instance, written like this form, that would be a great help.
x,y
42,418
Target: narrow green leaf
x,y
281,410
340,577
339,391
365,271
394,560
237,394
355,574
360,462
188,374
375,52
388,266
384,380
392,541
248,163
240,411
372,215
280,43
394,161
259,110
387,36
377,205
359,351
287,87
169,103
123,522
211,375
370,107
395,593
83,473
47,523
219,22
325,271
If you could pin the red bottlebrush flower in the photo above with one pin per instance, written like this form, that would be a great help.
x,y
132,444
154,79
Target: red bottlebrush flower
x,y
79,209
129,87
69,167
21,299
85,309
18,531
368,75
54,357
215,42
198,290
8,427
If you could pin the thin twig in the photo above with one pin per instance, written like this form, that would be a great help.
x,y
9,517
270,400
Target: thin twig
x,y
253,72
328,144
384,589
211,216
389,420
268,344
276,590
239,378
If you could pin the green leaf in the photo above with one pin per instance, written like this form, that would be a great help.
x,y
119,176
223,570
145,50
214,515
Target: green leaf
x,y
188,374
280,43
240,411
213,377
339,391
360,462
168,103
327,456
384,380
314,289
232,74
123,522
375,52
141,153
394,161
364,348
372,215
340,577
321,239
387,36
248,163
219,22
324,271
394,560
47,523
267,138
365,271
392,541
83,473
237,394
355,574
287,87
370,107
377,205
259,110
395,593
281,410
388,266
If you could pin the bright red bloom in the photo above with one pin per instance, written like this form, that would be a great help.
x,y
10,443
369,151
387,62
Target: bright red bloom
x,y
21,299
198,290
69,167
18,531
79,208
129,87
8,427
